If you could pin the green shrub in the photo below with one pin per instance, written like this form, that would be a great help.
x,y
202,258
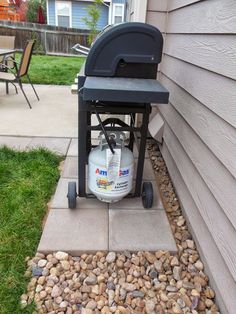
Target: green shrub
x,y
38,47
91,21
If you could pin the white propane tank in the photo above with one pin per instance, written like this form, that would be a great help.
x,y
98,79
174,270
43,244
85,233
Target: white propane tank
x,y
110,176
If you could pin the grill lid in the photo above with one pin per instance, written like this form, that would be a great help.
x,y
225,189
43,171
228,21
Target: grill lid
x,y
126,50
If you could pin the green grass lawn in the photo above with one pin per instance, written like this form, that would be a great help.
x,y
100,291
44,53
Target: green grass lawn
x,y
53,69
27,181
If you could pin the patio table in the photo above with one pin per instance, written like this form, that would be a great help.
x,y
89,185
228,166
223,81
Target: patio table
x,y
6,52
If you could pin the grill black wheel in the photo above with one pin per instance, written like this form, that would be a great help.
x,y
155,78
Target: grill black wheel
x,y
147,195
72,195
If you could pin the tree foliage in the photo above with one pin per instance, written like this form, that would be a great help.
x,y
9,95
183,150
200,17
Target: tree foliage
x,y
91,20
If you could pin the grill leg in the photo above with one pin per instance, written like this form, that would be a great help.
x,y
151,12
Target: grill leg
x,y
88,133
82,138
142,147
131,136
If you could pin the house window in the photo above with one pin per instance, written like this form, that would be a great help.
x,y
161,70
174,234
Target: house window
x,y
118,13
63,13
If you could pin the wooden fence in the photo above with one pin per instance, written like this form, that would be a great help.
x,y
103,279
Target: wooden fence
x,y
49,39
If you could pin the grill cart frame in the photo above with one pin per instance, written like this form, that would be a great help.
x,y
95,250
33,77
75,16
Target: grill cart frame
x,y
124,84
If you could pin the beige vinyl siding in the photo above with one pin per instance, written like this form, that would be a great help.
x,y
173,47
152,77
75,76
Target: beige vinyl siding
x,y
204,17
199,147
156,14
157,19
211,256
176,4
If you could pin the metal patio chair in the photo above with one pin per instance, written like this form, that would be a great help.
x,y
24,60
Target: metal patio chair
x,y
20,70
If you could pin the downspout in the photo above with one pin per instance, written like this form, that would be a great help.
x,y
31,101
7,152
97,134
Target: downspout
x,y
141,9
109,11
47,12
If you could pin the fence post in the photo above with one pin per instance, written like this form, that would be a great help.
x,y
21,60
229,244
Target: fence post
x,y
45,41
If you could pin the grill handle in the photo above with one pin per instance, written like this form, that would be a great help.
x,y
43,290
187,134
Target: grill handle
x,y
82,49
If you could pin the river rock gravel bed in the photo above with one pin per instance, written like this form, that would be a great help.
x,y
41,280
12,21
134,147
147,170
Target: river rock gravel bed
x,y
141,282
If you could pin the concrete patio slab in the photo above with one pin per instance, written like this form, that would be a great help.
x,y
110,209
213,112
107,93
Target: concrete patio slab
x,y
19,143
140,230
60,198
75,231
55,115
70,169
58,145
136,202
73,148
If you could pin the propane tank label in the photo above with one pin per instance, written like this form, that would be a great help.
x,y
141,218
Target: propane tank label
x,y
113,164
100,181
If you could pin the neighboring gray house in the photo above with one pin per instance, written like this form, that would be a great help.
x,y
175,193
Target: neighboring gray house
x,y
70,13
198,125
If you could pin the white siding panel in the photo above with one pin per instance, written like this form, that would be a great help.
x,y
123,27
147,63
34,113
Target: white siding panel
x,y
215,175
216,53
217,270
157,5
157,19
222,231
177,4
217,134
213,16
218,93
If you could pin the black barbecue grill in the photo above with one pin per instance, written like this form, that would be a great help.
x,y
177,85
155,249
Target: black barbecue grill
x,y
119,77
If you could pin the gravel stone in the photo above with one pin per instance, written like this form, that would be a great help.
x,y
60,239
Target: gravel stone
x,y
151,258
158,266
199,265
138,294
91,305
42,263
61,256
174,261
23,304
39,288
190,244
63,304
37,271
41,280
56,292
111,285
171,289
177,273
42,294
176,309
150,306
153,273
128,286
91,279
65,265
110,258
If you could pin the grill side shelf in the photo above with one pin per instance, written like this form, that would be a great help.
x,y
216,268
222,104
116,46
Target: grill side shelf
x,y
124,90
